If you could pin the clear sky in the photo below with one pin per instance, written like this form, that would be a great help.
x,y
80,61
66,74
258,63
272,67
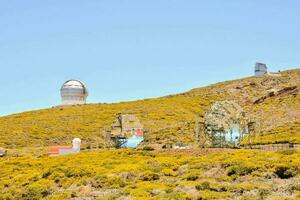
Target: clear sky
x,y
134,49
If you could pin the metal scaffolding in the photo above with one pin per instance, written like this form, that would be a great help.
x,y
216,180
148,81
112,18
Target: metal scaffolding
x,y
217,127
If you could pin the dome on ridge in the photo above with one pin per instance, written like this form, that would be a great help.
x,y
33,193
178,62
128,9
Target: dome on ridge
x,y
73,92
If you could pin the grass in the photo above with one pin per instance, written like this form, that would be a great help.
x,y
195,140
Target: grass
x,y
282,134
146,175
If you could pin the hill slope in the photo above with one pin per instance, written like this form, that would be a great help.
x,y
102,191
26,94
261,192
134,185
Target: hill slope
x,y
274,102
128,174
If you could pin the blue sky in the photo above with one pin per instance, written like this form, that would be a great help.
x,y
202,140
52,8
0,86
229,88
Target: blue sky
x,y
133,49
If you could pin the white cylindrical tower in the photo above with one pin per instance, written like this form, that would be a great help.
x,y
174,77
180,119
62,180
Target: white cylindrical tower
x,y
76,144
73,92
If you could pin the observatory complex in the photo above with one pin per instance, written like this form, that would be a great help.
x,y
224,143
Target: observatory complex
x,y
261,69
73,92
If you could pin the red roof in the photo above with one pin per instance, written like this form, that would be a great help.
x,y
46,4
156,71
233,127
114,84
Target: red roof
x,y
139,132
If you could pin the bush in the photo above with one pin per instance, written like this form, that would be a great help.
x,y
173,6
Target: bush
x,y
192,177
149,176
38,190
263,193
115,182
167,146
287,152
168,172
148,148
203,186
240,170
296,187
286,172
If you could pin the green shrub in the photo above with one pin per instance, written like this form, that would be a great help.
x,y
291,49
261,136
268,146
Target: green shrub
x,y
203,186
149,176
284,172
192,177
148,148
296,187
240,170
287,152
38,190
263,193
168,172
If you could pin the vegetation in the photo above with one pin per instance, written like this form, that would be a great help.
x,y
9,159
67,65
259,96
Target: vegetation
x,y
281,134
168,119
273,102
235,174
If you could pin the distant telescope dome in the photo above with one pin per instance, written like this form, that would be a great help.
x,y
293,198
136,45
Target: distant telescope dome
x,y
260,69
73,92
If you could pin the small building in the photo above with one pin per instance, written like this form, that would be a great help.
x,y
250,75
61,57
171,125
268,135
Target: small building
x,y
73,92
260,69
64,150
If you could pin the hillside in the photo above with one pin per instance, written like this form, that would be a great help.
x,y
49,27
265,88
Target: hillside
x,y
273,101
129,174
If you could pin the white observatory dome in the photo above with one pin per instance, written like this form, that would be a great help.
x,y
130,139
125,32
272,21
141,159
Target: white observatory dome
x,y
73,92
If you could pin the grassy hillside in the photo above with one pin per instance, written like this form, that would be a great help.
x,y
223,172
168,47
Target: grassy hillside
x,y
274,102
281,134
128,174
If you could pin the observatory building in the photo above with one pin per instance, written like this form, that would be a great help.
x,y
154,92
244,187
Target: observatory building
x,y
127,124
260,69
126,132
73,92
65,150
